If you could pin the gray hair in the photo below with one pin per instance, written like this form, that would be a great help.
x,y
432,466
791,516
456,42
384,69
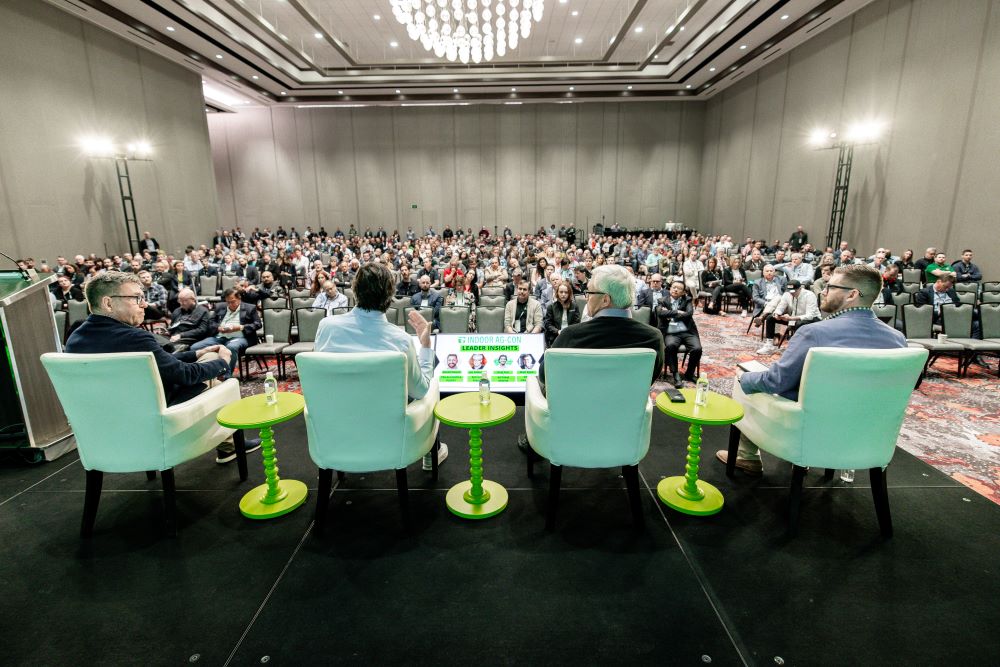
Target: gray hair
x,y
105,284
616,282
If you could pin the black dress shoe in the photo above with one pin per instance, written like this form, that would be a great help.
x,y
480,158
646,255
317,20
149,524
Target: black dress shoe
x,y
692,380
677,380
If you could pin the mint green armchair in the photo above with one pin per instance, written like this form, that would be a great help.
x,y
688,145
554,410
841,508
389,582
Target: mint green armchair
x,y
565,427
116,406
850,409
358,418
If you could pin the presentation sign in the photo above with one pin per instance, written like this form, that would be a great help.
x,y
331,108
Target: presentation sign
x,y
507,360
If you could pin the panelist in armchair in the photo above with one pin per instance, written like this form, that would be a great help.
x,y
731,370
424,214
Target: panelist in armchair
x,y
847,298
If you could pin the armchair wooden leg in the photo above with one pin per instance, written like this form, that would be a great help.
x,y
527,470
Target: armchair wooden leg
x,y
631,474
555,479
828,474
880,494
341,476
734,450
95,480
323,499
169,502
239,442
795,499
402,490
150,475
435,450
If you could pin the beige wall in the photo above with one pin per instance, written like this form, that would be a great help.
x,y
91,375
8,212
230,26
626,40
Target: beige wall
x,y
522,166
61,78
931,70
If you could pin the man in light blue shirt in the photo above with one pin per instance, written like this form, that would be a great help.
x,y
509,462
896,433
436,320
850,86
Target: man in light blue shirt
x,y
799,270
366,329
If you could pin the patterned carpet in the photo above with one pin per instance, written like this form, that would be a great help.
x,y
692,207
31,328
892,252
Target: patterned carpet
x,y
952,424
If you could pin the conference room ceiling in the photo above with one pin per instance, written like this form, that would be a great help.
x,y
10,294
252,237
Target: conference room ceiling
x,y
355,52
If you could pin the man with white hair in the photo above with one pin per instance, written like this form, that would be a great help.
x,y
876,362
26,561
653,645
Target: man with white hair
x,y
610,293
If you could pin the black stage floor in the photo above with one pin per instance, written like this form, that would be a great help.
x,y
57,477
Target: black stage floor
x,y
729,589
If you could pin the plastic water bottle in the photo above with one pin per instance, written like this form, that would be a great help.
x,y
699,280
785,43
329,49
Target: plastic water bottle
x,y
701,391
484,391
270,389
847,475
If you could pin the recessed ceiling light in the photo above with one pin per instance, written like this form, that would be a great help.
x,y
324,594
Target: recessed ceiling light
x,y
656,56
397,91
377,17
574,13
612,40
711,69
283,93
219,56
682,28
689,85
255,77
340,92
513,90
563,2
630,88
784,17
393,44
638,29
572,87
170,28
578,40
743,47
318,35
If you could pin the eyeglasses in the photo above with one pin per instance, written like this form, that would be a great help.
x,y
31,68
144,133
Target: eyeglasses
x,y
845,287
139,298
591,292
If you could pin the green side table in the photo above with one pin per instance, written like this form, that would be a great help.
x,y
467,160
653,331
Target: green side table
x,y
687,493
478,498
276,496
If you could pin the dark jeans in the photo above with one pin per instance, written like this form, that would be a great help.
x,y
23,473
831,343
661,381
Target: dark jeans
x,y
770,323
741,291
673,341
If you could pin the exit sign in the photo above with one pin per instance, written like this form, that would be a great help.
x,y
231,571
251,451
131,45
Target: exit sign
x,y
413,205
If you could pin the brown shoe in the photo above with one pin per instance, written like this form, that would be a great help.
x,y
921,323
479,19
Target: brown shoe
x,y
746,465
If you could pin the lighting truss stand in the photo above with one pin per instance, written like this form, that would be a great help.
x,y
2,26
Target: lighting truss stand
x,y
839,207
128,204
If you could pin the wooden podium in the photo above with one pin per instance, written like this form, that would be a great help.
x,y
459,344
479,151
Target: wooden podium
x,y
32,421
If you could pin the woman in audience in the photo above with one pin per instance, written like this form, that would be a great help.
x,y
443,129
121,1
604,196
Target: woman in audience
x,y
711,281
692,272
74,276
286,272
906,261
734,281
174,282
560,314
539,272
826,260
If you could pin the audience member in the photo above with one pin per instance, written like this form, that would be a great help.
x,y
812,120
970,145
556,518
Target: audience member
x,y
523,314
330,299
938,268
188,323
428,298
156,297
796,308
235,324
560,314
63,291
675,319
965,270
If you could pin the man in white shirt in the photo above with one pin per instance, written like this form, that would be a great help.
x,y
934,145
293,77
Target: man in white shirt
x,y
797,308
366,329
330,299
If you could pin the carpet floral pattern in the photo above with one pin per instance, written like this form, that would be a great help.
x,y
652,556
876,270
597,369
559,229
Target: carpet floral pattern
x,y
951,423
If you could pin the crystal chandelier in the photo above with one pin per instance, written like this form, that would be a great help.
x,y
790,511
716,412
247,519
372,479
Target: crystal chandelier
x,y
467,30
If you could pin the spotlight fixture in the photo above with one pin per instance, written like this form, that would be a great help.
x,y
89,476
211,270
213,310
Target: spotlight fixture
x,y
629,88
394,44
784,17
638,29
219,56
397,91
574,13
743,47
318,35
578,40
170,28
711,69
377,17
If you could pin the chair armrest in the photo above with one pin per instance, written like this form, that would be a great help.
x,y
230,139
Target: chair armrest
x,y
205,405
537,417
771,422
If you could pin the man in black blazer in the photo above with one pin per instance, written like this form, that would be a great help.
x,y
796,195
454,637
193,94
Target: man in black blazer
x,y
941,292
675,320
118,308
189,323
428,298
234,326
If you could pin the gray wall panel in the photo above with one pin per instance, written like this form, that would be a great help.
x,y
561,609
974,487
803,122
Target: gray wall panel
x,y
519,165
930,71
65,79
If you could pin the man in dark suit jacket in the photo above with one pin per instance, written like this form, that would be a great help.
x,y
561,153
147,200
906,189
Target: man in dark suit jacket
x,y
941,292
189,322
675,320
234,325
428,298
610,294
116,300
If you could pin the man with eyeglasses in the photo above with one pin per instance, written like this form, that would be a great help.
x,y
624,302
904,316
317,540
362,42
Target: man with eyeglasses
x,y
118,307
847,299
236,324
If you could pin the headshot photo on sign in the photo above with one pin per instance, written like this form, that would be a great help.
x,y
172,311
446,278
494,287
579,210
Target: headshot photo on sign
x,y
452,361
526,361
477,361
501,361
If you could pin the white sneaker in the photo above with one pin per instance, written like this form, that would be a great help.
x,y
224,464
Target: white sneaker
x,y
743,313
767,349
428,463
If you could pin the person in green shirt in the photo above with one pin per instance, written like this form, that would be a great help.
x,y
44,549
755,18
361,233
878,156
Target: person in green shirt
x,y
938,268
